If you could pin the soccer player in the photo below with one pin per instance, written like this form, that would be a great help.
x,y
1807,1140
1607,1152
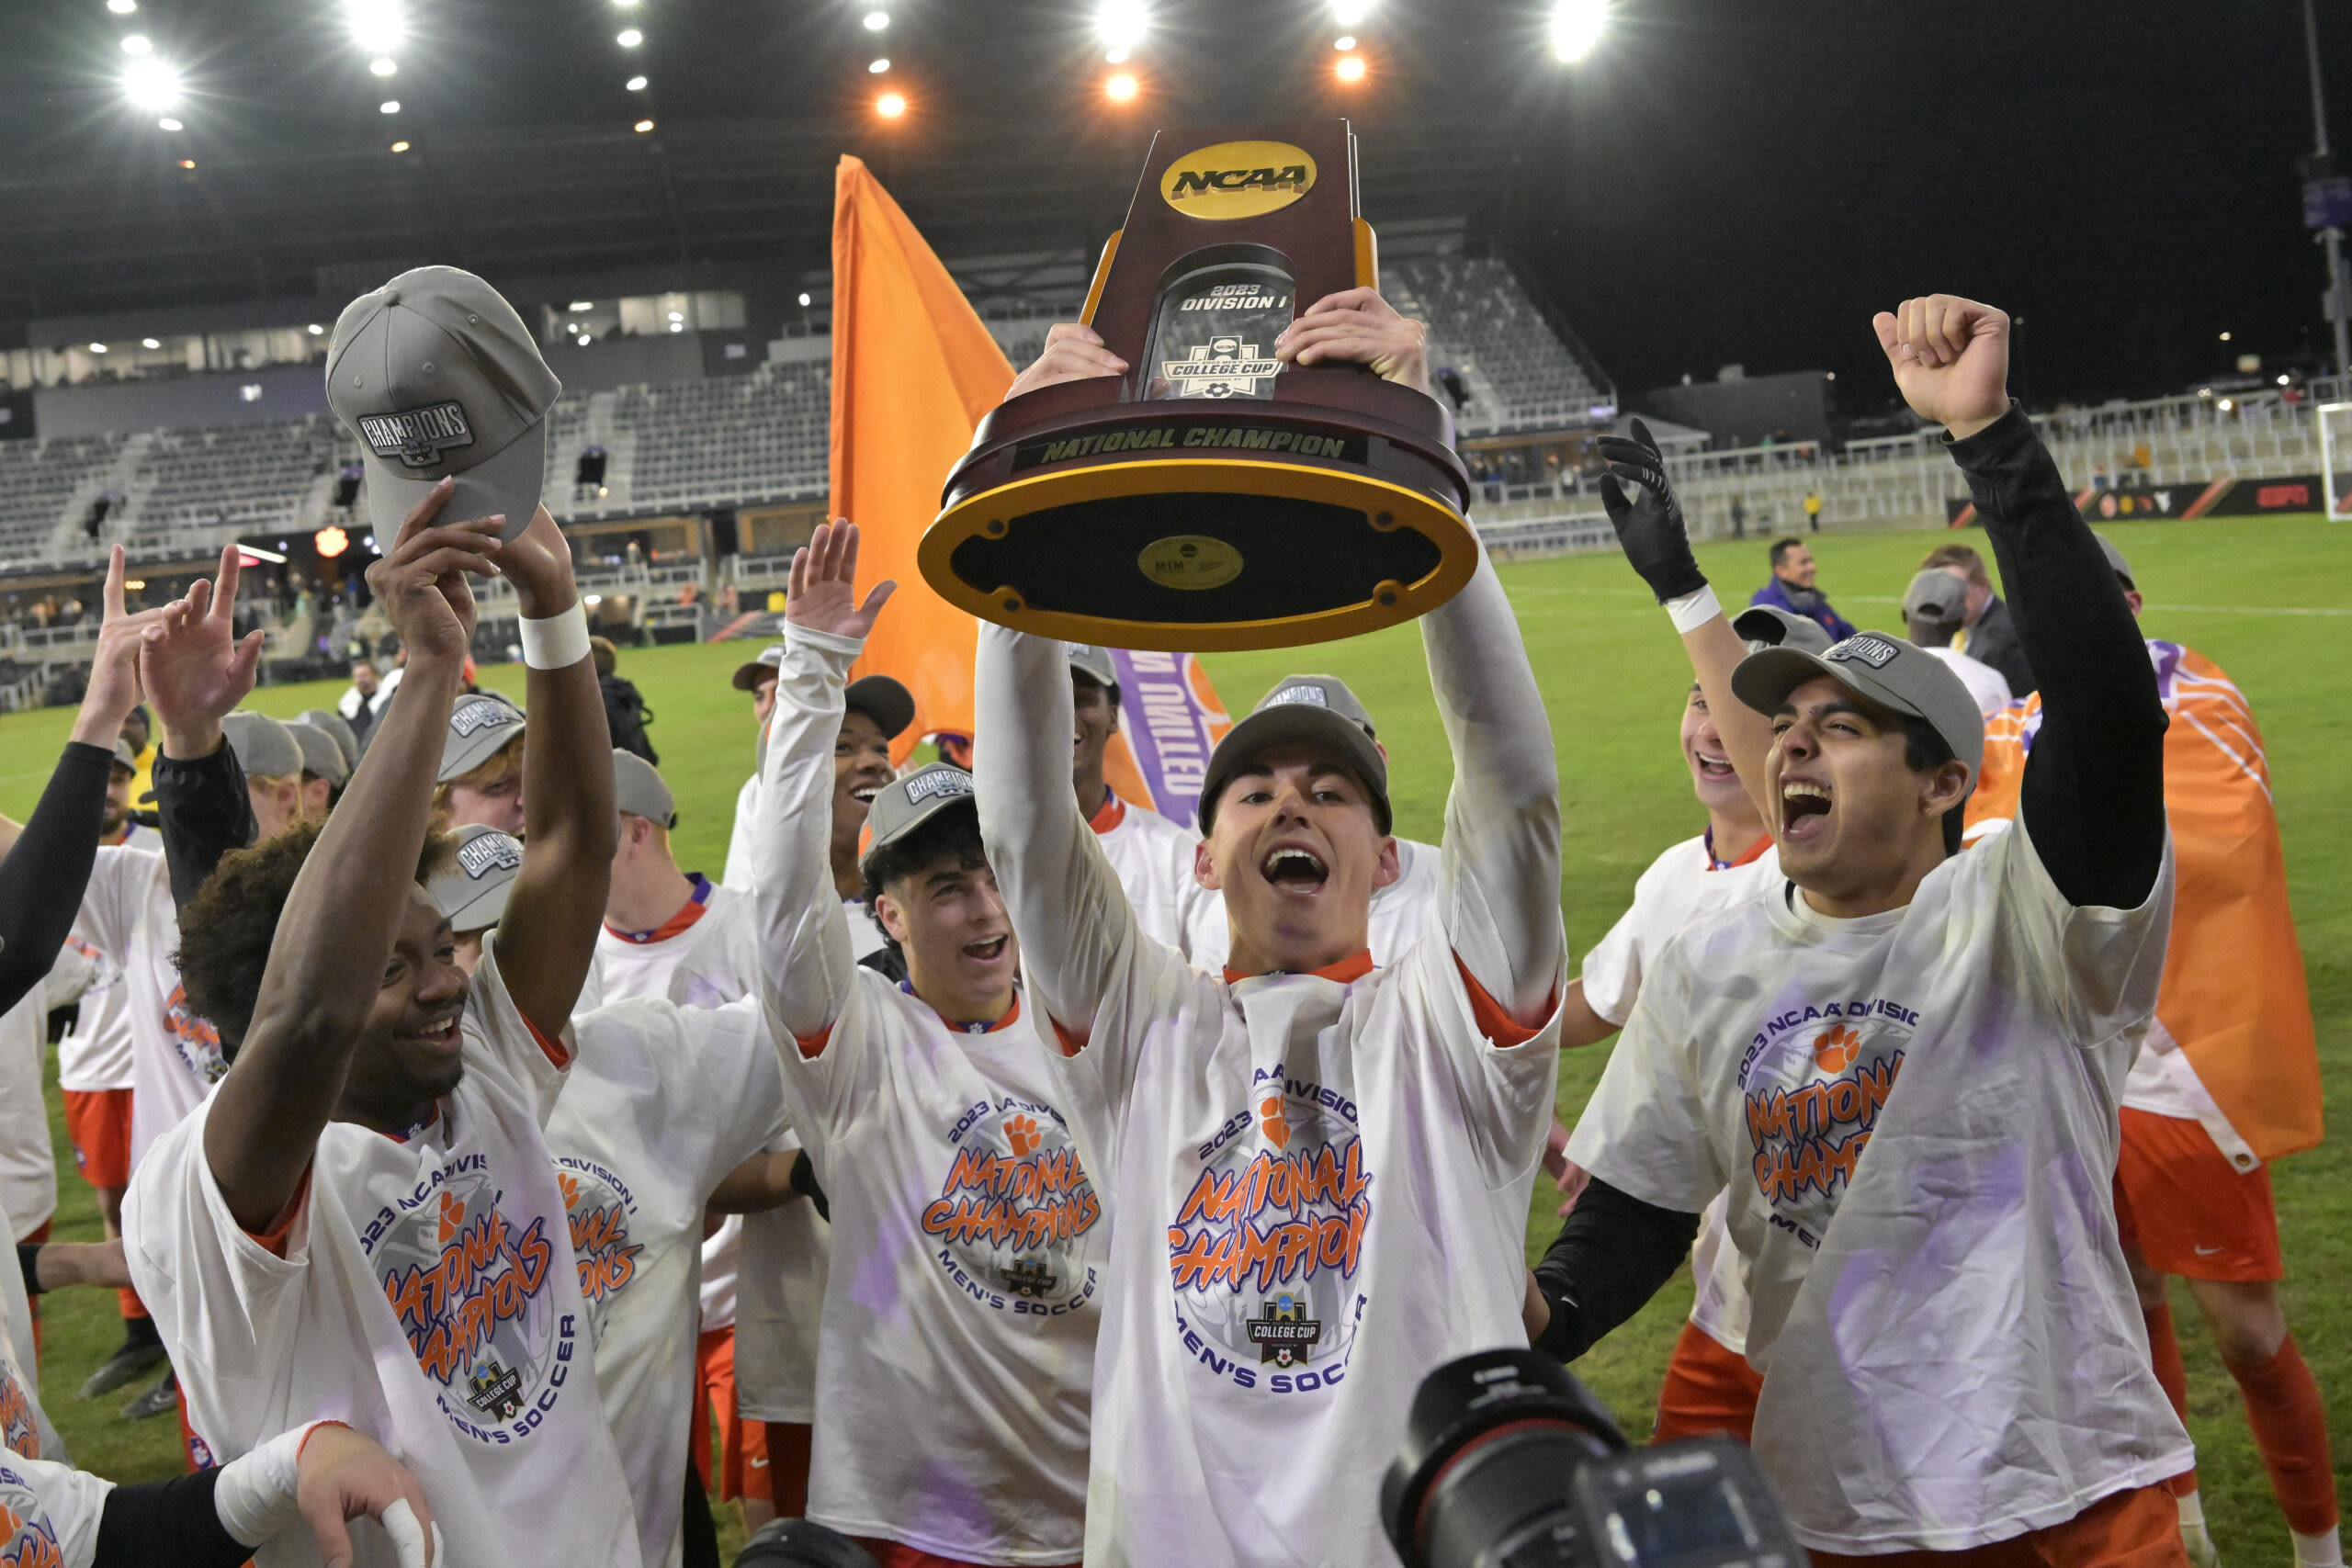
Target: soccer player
x,y
969,1244
271,761
756,676
1988,633
1792,587
363,1219
1905,1065
2226,1081
1320,1168
662,1102
481,779
1935,612
324,769
1152,856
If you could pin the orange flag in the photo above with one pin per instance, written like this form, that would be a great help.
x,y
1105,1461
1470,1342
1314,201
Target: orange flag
x,y
913,372
2234,997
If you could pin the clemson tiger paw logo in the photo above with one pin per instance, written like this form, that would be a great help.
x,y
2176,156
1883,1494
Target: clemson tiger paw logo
x,y
453,1217
1024,1134
1835,1049
1273,1122
571,1185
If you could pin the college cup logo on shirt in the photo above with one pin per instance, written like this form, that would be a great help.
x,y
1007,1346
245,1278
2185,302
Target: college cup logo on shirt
x,y
1009,1223
470,1289
1265,1248
1815,1078
197,1041
599,1206
27,1538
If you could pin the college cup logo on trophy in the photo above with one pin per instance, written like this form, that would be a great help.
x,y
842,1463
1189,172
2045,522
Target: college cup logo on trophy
x,y
1214,497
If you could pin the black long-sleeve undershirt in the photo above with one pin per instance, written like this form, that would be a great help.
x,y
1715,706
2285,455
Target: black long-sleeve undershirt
x,y
168,1523
2093,794
203,812
1611,1256
42,880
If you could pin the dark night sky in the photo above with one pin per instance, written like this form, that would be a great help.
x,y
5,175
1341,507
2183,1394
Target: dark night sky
x,y
1748,181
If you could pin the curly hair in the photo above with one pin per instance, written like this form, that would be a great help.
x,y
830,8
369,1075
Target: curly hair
x,y
227,928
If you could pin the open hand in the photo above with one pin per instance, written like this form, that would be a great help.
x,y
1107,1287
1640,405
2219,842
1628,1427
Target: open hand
x,y
422,583
341,1476
1073,352
194,665
1647,516
114,688
1951,358
1356,326
822,595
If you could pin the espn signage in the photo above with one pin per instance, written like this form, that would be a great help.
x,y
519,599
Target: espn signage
x,y
2213,498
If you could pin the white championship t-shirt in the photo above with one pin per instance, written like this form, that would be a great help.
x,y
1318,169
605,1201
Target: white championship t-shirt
x,y
1153,857
1986,684
960,1315
661,1102
1680,886
427,1296
743,840
128,913
96,1052
28,1160
50,1512
1951,1347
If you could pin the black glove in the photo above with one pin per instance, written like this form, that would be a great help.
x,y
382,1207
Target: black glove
x,y
1651,530
804,1181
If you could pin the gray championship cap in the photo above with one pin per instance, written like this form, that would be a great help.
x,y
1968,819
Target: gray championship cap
x,y
320,755
1768,625
264,748
437,376
887,704
2115,561
334,725
1882,668
471,894
124,757
908,803
1934,606
749,673
1302,710
639,789
481,724
1095,664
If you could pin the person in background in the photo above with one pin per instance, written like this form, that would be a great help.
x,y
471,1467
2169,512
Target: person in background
x,y
272,761
626,714
1988,633
1935,607
138,728
1792,587
364,703
334,725
482,765
324,772
1813,512
756,676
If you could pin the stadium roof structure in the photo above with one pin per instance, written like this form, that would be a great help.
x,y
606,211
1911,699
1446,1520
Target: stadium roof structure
x,y
522,154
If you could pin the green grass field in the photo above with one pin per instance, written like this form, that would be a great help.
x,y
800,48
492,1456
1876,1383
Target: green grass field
x,y
2269,599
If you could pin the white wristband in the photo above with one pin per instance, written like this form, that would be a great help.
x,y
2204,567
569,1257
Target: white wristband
x,y
255,1494
558,642
1688,612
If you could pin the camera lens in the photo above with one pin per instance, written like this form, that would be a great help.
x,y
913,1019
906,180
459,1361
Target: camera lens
x,y
1491,1452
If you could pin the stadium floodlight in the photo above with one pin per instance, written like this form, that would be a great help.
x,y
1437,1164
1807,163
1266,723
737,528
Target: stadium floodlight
x,y
98,348
1121,88
383,65
1121,25
152,84
878,67
1577,26
389,106
315,329
628,37
804,299
400,146
378,26
1350,68
635,84
151,342
626,5
579,305
1347,13
876,20
138,44
1344,43
2225,337
890,105
122,8
645,127
168,123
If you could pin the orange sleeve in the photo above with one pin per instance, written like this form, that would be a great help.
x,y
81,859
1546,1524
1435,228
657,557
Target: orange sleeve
x,y
1070,1040
813,1045
273,1240
1498,1026
554,1049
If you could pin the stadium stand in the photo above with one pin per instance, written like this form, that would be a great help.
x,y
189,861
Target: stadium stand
x,y
41,481
254,477
1522,377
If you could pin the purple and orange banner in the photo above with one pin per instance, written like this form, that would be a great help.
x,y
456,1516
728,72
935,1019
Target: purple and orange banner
x,y
1169,719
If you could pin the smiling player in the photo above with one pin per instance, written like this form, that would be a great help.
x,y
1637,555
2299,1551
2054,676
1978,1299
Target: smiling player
x,y
1905,1067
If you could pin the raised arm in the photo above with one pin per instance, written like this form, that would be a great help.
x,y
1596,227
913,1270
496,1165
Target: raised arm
x,y
196,668
47,866
326,961
2093,792
547,938
1647,516
807,964
1502,818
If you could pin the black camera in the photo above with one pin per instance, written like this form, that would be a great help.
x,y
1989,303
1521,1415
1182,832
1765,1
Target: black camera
x,y
1510,1463
796,1543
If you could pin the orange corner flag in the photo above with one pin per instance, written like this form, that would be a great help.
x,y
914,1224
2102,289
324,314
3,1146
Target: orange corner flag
x,y
913,372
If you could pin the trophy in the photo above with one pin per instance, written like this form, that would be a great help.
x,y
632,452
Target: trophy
x,y
1214,497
